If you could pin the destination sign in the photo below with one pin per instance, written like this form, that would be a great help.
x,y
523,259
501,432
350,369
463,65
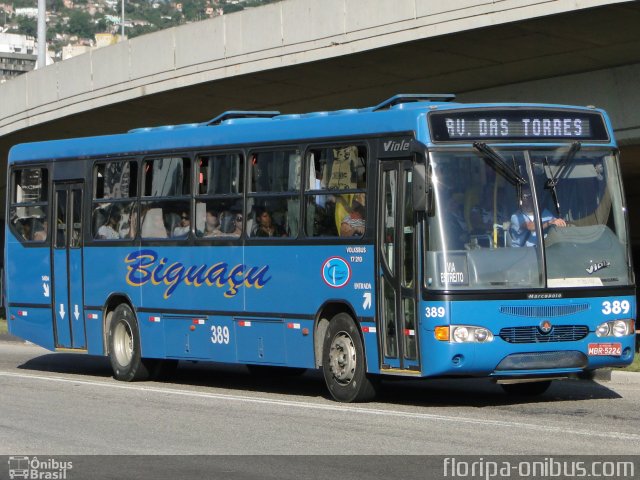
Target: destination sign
x,y
525,125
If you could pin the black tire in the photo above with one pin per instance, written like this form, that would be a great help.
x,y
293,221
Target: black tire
x,y
528,389
124,346
343,362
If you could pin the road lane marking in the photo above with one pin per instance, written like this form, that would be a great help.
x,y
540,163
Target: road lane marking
x,y
337,407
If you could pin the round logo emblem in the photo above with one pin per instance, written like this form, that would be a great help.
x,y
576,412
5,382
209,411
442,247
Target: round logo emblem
x,y
545,326
336,272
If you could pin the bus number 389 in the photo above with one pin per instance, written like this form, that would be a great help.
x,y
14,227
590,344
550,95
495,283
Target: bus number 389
x,y
219,334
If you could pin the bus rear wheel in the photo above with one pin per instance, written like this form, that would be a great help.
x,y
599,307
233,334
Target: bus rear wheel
x,y
343,362
528,389
124,346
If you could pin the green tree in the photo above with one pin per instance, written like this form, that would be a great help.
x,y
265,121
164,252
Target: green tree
x,y
28,26
80,24
232,7
55,5
101,26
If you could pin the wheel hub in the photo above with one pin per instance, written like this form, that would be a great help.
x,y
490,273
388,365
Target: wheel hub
x,y
123,344
342,358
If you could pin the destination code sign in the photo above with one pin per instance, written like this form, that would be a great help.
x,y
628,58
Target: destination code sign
x,y
455,126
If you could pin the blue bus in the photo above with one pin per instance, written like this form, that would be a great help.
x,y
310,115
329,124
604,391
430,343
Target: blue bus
x,y
417,238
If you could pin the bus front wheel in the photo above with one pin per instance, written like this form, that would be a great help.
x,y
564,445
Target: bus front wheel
x,y
124,346
343,362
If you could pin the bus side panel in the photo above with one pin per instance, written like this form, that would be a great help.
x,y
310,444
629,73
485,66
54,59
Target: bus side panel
x,y
28,293
301,279
261,341
298,338
32,324
105,273
174,288
152,335
29,271
93,328
187,337
371,343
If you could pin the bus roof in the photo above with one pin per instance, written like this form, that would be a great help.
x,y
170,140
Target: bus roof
x,y
400,113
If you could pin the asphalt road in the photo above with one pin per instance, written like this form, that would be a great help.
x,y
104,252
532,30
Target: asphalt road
x,y
66,404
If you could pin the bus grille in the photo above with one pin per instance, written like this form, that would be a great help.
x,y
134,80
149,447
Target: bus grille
x,y
543,360
559,333
543,311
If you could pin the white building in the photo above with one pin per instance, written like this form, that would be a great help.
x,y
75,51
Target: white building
x,y
27,12
18,55
69,51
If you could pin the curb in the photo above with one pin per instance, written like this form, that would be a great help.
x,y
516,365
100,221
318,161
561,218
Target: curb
x,y
620,376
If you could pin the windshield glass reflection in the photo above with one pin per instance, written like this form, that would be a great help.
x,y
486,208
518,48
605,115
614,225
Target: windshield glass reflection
x,y
487,223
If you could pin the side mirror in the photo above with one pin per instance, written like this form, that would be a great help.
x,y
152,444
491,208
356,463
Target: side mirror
x,y
422,190
419,186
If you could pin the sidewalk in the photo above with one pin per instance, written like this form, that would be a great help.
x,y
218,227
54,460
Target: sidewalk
x,y
6,337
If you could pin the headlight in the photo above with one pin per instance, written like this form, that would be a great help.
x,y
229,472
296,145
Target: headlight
x,y
602,330
620,328
460,334
615,328
470,334
481,334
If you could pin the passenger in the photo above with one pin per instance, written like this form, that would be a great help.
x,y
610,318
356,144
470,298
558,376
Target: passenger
x,y
230,224
523,227
265,226
211,224
128,229
182,230
40,234
237,222
353,224
24,227
109,231
152,223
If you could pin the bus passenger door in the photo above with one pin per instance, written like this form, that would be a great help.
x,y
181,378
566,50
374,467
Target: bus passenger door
x,y
67,258
397,286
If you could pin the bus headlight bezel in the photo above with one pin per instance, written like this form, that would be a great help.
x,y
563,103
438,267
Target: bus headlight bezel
x,y
470,334
616,328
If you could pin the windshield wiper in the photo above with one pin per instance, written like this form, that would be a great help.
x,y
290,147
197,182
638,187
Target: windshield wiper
x,y
500,164
552,182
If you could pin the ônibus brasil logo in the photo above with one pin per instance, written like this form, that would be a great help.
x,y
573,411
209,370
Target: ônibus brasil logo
x,y
34,468
336,272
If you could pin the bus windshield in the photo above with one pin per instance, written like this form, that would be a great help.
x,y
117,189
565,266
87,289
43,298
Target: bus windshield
x,y
484,229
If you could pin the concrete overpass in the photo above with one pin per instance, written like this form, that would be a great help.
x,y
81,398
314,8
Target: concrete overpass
x,y
303,55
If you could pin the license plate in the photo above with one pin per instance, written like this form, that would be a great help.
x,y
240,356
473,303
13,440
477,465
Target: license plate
x,y
614,349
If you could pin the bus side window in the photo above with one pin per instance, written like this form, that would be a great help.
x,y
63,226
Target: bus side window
x,y
29,204
335,191
273,206
219,212
115,185
167,189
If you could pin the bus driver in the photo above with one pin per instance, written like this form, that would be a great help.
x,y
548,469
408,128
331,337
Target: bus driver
x,y
523,227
